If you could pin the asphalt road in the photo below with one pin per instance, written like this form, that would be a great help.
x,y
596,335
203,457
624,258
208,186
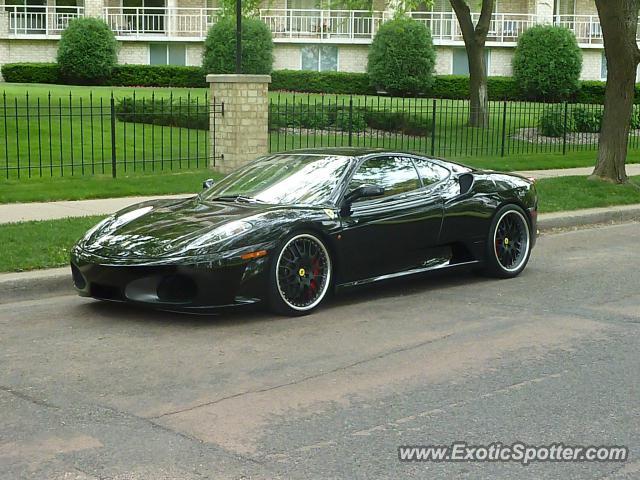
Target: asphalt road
x,y
91,390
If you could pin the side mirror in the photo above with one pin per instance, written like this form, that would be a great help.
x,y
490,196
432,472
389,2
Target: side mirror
x,y
364,191
208,183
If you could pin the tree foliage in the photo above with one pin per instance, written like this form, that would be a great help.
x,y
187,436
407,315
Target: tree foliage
x,y
87,51
220,47
402,57
547,62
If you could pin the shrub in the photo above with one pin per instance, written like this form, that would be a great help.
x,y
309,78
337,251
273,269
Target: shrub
x,y
416,125
635,118
587,119
552,122
157,76
87,52
31,72
298,115
547,63
220,47
321,82
341,121
402,57
174,113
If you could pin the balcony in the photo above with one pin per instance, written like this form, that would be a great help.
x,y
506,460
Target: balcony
x,y
160,22
586,27
504,27
331,26
36,21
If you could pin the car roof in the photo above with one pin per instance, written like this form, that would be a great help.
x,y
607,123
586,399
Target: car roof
x,y
354,152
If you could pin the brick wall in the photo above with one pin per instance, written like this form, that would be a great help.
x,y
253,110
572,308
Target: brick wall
x,y
286,57
352,58
134,52
444,60
500,60
591,64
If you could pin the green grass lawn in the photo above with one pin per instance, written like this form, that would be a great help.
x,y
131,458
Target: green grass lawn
x,y
44,244
573,193
102,186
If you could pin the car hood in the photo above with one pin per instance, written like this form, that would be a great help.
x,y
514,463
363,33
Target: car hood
x,y
176,227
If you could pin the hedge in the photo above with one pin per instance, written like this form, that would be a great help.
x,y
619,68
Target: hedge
x,y
321,82
31,72
179,113
444,86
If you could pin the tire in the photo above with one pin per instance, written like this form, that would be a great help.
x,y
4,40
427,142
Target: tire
x,y
300,275
507,257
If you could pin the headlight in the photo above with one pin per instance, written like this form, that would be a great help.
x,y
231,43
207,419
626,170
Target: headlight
x,y
222,232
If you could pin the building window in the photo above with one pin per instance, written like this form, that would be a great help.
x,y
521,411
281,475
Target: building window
x,y
320,58
461,61
167,54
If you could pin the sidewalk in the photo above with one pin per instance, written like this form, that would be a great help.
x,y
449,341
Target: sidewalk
x,y
19,212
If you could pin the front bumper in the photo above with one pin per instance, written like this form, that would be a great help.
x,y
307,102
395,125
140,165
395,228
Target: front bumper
x,y
177,284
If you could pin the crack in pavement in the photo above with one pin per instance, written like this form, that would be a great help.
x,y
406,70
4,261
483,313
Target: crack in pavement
x,y
27,397
307,378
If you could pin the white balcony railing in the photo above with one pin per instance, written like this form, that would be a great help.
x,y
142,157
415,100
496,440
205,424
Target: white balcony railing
x,y
160,21
504,27
586,27
322,24
39,20
357,26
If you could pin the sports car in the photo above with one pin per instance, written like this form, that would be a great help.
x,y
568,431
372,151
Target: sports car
x,y
290,228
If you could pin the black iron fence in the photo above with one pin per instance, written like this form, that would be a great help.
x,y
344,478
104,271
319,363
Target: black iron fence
x,y
94,134
438,127
44,135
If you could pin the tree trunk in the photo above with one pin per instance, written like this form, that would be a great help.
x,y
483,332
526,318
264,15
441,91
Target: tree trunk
x,y
474,40
479,98
619,21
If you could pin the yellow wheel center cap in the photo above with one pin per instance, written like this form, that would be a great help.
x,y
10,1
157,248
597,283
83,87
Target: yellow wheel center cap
x,y
506,241
301,272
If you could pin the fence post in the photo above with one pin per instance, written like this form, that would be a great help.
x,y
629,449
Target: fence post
x,y
433,129
564,130
113,137
504,127
350,121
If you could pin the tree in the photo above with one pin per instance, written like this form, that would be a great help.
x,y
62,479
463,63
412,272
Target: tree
x,y
547,63
619,23
401,57
219,54
474,40
87,51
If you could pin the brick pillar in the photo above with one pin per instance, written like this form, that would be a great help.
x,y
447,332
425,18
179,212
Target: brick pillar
x,y
242,133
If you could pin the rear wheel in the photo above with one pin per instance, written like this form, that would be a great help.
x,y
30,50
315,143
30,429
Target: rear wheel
x,y
509,243
300,275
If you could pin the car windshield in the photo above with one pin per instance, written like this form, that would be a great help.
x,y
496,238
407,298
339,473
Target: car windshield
x,y
283,179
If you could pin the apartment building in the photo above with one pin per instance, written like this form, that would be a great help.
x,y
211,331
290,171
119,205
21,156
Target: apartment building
x,y
306,35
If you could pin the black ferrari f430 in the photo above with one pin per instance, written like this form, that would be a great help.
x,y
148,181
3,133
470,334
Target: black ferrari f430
x,y
291,227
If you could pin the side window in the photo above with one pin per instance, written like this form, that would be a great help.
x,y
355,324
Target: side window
x,y
430,172
396,175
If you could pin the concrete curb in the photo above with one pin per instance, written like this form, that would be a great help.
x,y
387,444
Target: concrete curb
x,y
17,287
589,216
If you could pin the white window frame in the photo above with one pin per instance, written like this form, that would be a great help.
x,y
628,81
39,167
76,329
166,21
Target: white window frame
x,y
166,56
487,66
319,47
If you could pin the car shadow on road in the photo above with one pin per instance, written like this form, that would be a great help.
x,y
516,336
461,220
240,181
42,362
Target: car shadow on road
x,y
389,289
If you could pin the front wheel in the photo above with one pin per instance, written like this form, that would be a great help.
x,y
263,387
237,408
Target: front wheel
x,y
300,275
509,243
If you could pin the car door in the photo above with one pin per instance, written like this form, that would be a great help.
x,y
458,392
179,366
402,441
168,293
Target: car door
x,y
391,233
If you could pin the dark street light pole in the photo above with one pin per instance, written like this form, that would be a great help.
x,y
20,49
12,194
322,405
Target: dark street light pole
x,y
238,36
